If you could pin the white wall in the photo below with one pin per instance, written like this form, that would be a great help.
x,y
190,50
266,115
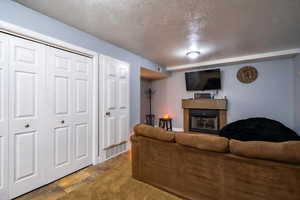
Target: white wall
x,y
272,95
297,94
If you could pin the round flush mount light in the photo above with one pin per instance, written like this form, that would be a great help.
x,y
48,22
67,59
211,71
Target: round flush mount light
x,y
193,54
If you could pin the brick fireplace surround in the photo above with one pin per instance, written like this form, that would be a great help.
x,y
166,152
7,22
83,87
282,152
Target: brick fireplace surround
x,y
206,105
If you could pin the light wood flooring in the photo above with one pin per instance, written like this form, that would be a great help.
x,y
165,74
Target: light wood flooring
x,y
69,183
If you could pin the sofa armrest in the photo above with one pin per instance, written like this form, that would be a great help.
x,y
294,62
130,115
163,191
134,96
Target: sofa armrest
x,y
135,156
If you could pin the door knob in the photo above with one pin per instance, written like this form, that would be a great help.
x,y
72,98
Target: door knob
x,y
107,113
62,121
27,126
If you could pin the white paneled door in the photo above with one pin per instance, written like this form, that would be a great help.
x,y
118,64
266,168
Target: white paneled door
x,y
116,101
69,87
27,108
82,111
45,114
3,116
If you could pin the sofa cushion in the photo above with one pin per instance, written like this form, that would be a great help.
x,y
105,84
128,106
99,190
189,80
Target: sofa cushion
x,y
203,141
282,151
156,133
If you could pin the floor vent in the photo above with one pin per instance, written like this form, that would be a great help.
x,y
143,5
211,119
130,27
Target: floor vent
x,y
115,151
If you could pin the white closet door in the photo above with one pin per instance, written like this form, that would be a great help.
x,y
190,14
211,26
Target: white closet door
x,y
59,75
82,110
123,103
69,94
27,131
116,86
3,116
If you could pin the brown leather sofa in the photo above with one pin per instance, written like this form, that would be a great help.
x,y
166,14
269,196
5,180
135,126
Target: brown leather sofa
x,y
206,167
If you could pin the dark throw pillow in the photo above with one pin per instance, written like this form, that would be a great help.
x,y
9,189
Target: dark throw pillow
x,y
258,129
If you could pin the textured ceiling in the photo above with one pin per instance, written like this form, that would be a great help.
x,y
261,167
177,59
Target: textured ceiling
x,y
163,30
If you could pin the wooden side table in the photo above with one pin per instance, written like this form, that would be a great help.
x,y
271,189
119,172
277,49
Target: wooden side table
x,y
165,123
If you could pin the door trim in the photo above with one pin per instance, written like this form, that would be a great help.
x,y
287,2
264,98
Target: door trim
x,y
18,31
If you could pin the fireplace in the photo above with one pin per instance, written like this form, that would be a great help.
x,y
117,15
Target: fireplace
x,y
204,115
204,121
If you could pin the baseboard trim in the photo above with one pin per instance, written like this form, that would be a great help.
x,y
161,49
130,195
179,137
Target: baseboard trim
x,y
115,155
178,129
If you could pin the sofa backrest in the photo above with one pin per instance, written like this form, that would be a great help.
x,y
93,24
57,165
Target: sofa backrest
x,y
287,152
155,133
203,142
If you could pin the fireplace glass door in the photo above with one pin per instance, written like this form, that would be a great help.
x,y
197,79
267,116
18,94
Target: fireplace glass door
x,y
205,121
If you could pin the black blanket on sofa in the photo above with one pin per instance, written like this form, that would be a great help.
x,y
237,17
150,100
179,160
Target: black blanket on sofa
x,y
258,129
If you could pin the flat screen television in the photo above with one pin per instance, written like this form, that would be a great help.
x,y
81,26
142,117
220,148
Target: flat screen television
x,y
203,80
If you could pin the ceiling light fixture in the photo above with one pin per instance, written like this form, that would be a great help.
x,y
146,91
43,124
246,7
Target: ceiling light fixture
x,y
193,54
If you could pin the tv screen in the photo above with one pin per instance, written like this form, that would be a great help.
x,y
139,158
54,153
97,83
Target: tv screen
x,y
203,80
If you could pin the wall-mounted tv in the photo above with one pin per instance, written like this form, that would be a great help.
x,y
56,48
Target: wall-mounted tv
x,y
203,80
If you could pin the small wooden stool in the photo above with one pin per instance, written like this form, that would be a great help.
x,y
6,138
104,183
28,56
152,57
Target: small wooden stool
x,y
165,123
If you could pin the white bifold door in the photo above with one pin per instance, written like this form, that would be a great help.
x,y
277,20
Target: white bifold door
x,y
116,101
45,114
3,116
69,86
27,132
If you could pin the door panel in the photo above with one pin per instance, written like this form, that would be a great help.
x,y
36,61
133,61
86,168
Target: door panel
x,y
4,116
112,69
59,78
82,110
24,55
112,125
123,72
69,82
27,132
62,146
81,139
62,62
116,102
123,92
25,155
111,96
82,67
123,125
81,96
61,95
25,94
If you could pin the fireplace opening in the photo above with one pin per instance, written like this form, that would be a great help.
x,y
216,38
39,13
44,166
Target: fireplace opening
x,y
204,121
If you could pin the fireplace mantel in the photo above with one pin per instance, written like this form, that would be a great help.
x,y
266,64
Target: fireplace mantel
x,y
205,104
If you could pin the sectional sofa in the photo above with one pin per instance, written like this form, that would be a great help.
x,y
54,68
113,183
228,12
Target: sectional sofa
x,y
210,167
